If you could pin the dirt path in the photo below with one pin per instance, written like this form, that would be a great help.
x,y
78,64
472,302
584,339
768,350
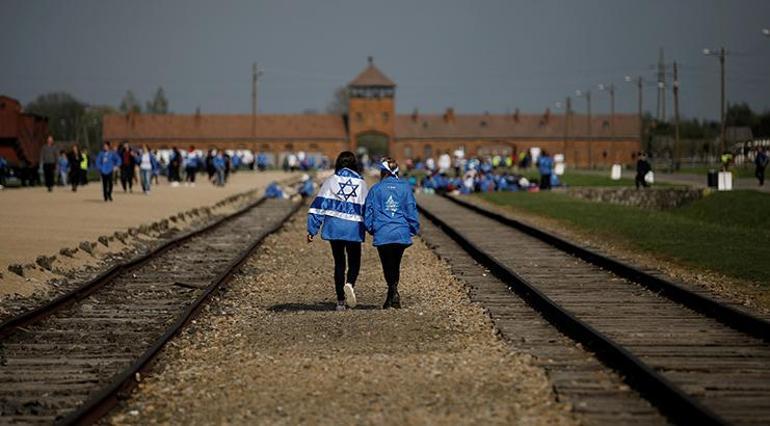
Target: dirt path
x,y
273,350
34,222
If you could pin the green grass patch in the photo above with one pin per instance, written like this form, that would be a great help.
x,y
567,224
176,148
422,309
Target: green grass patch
x,y
725,232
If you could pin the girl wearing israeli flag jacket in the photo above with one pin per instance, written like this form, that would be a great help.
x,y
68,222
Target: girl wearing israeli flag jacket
x,y
338,211
390,215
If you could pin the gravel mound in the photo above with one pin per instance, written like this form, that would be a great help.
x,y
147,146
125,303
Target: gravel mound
x,y
271,349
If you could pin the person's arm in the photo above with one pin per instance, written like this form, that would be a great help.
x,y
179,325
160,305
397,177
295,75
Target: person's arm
x,y
411,214
369,212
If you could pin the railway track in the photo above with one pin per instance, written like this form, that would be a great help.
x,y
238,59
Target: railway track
x,y
697,360
68,362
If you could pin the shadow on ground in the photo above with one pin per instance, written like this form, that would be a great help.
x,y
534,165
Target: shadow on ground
x,y
320,306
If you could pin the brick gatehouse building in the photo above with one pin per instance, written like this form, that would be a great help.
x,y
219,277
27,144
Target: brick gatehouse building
x,y
372,123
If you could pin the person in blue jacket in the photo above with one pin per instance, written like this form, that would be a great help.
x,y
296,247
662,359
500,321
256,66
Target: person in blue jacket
x,y
390,215
106,162
545,166
220,165
307,187
338,210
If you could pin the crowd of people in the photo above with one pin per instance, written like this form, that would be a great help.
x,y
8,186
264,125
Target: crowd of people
x,y
483,174
132,166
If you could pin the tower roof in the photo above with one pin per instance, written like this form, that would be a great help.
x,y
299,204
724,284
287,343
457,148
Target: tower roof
x,y
371,76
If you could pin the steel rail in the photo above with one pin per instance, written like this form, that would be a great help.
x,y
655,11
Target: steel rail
x,y
727,315
672,401
100,404
9,326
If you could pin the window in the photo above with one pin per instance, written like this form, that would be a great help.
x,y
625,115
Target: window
x,y
427,151
408,151
359,117
385,117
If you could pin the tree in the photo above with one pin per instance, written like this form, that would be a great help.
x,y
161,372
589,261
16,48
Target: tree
x,y
741,115
64,113
339,103
129,103
91,135
159,103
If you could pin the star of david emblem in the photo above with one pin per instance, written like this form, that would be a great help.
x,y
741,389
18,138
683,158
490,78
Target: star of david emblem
x,y
344,192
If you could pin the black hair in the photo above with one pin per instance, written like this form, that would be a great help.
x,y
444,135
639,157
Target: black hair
x,y
346,160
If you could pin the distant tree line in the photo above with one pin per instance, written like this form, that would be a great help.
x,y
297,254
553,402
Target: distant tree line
x,y
737,115
70,119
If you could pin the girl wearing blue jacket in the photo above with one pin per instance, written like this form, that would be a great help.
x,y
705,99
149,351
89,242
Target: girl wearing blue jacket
x,y
390,215
338,211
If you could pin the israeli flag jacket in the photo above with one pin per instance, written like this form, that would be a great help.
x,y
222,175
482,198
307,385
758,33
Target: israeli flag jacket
x,y
339,208
390,214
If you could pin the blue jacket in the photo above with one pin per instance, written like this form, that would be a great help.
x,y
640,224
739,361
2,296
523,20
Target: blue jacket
x,y
273,191
338,208
219,162
545,165
390,212
307,188
106,161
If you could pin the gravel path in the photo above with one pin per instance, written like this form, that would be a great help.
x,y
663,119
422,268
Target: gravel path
x,y
272,350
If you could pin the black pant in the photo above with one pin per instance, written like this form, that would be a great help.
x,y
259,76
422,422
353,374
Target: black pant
x,y
74,178
640,181
48,174
107,186
127,178
545,181
191,174
353,249
760,173
390,257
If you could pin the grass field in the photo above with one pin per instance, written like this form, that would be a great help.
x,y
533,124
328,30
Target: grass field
x,y
727,232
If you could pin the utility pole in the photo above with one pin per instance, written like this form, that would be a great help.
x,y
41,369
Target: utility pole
x,y
590,151
567,112
587,95
677,146
640,89
661,108
721,53
723,132
255,74
613,151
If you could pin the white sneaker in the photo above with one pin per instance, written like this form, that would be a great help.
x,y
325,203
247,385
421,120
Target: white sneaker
x,y
350,296
341,307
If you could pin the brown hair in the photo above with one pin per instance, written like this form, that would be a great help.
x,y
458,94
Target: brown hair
x,y
392,165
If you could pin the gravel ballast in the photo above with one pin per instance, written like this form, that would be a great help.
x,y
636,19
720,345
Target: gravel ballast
x,y
271,349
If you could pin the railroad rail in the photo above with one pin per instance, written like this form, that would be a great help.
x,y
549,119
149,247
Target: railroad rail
x,y
694,368
69,361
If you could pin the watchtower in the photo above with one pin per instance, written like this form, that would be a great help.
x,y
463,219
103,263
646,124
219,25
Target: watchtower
x,y
371,111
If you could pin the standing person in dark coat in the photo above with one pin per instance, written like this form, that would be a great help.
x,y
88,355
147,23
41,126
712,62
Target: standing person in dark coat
x,y
174,167
107,162
48,157
127,165
642,168
761,162
75,158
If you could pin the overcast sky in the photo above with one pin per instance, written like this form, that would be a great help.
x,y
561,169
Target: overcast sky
x,y
474,55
